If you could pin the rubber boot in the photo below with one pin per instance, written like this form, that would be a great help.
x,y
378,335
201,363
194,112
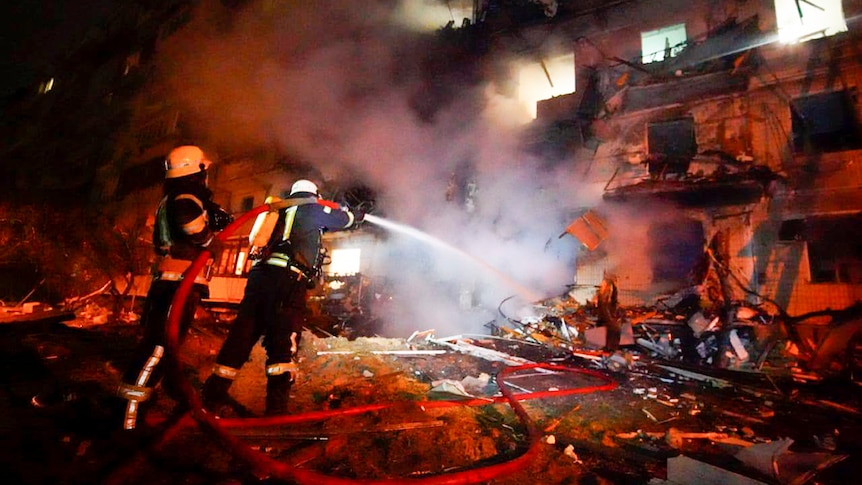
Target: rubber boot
x,y
129,418
215,392
277,394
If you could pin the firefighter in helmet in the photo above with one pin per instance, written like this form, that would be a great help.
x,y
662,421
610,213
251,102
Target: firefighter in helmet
x,y
274,303
186,224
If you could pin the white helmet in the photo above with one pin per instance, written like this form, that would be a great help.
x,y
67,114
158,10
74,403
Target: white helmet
x,y
185,160
303,185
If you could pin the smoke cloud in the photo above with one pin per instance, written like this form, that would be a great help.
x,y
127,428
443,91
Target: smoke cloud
x,y
354,90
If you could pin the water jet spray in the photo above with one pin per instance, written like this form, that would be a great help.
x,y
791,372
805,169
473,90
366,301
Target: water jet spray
x,y
422,236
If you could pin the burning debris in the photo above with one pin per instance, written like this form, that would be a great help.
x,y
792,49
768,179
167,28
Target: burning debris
x,y
686,328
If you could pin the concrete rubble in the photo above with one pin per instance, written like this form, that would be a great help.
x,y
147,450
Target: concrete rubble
x,y
675,413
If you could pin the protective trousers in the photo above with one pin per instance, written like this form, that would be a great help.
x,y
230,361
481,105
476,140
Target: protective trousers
x,y
146,368
273,306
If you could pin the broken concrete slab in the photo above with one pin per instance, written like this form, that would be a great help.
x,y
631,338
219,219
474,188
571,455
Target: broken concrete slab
x,y
774,459
682,470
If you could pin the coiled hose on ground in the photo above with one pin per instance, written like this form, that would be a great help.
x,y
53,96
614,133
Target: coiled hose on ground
x,y
265,466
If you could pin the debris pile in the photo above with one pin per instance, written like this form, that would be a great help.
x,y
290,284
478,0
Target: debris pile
x,y
433,406
684,328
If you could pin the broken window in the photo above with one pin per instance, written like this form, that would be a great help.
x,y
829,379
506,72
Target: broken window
x,y
671,145
657,45
801,20
545,79
825,122
834,246
676,249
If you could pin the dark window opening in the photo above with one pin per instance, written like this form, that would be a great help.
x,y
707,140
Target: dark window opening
x,y
792,230
834,247
676,249
825,122
671,144
247,204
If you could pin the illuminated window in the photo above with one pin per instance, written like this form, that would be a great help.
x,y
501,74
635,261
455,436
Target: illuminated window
x,y
344,261
546,79
427,16
240,264
661,43
801,20
46,86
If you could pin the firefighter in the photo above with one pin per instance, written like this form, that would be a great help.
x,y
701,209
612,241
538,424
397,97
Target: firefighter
x,y
186,224
274,304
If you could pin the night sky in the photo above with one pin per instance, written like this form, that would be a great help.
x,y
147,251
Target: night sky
x,y
35,32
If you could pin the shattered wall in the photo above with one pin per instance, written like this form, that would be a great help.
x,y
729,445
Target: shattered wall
x,y
739,130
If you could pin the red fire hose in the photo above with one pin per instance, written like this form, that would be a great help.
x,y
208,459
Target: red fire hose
x,y
264,466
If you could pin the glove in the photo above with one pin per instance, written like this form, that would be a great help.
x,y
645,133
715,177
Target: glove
x,y
358,216
219,218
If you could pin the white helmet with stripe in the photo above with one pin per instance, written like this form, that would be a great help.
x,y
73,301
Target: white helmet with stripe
x,y
303,185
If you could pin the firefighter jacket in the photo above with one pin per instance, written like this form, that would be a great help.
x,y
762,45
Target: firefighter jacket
x,y
300,229
186,221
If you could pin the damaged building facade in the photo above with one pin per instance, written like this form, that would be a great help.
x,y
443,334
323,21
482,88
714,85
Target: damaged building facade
x,y
724,134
